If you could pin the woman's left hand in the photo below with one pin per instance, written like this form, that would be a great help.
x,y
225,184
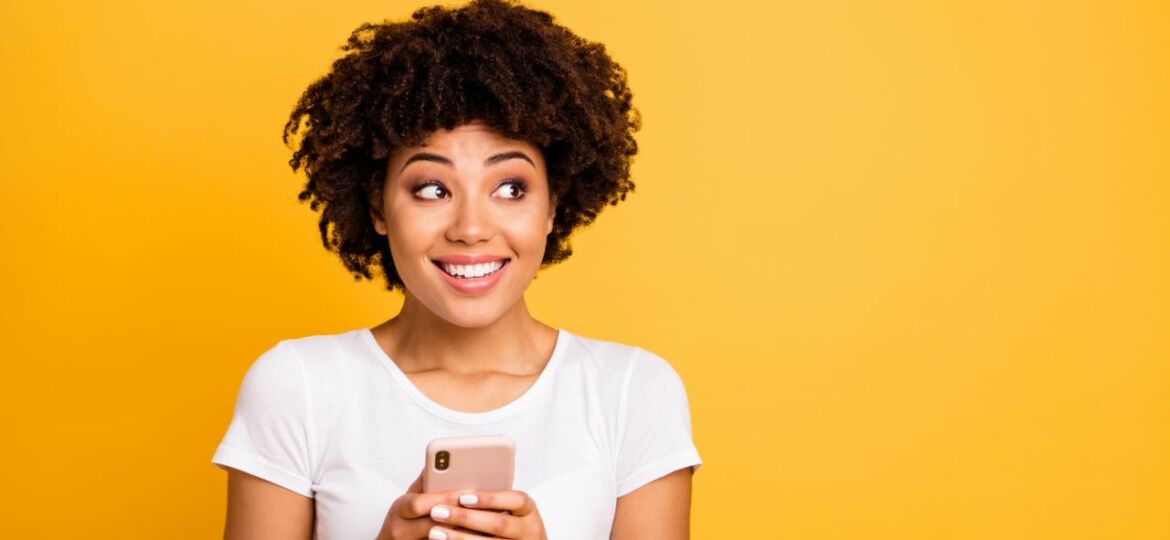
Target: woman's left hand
x,y
489,514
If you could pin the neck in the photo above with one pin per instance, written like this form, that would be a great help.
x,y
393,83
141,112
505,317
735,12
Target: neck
x,y
419,340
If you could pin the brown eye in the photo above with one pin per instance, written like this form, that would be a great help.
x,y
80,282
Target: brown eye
x,y
429,188
518,188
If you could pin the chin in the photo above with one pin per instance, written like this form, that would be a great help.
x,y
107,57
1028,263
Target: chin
x,y
466,318
470,311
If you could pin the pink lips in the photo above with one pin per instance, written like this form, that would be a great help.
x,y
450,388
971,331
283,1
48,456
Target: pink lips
x,y
478,285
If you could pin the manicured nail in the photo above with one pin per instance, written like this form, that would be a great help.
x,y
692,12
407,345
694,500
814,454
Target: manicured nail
x,y
468,499
440,512
436,534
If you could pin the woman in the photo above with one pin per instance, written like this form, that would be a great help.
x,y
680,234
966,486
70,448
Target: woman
x,y
455,153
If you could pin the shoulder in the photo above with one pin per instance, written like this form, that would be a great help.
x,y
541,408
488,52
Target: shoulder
x,y
605,358
274,373
601,350
322,366
326,356
292,354
622,365
315,346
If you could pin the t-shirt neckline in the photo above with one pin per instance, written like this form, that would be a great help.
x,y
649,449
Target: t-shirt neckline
x,y
463,417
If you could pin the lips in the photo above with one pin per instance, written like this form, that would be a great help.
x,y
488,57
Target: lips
x,y
505,263
468,259
472,286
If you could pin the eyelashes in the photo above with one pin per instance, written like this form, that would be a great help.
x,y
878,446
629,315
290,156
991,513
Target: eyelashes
x,y
520,184
419,186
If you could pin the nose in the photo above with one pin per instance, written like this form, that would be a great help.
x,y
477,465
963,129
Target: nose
x,y
472,221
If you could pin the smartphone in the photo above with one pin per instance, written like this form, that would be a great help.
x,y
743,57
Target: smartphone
x,y
479,462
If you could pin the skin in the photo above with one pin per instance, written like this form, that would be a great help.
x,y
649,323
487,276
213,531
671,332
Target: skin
x,y
468,352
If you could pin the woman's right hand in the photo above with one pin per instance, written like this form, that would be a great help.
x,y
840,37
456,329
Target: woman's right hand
x,y
409,517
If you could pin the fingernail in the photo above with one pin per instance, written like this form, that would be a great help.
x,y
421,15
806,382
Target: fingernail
x,y
468,499
440,512
436,534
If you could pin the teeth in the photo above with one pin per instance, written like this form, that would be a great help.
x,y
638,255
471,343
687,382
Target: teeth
x,y
472,271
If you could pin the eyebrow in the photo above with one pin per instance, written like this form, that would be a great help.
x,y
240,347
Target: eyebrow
x,y
427,156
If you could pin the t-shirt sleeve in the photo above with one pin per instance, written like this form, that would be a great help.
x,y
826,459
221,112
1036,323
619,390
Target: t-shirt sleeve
x,y
269,432
654,425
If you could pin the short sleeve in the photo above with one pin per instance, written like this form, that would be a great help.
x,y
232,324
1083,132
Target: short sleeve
x,y
269,431
654,425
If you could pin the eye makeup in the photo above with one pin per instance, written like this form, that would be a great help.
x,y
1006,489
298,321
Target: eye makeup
x,y
520,183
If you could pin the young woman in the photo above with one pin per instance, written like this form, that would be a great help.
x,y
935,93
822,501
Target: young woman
x,y
454,154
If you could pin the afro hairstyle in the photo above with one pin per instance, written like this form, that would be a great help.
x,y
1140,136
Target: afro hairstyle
x,y
493,61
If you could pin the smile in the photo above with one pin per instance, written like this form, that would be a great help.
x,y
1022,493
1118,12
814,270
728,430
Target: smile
x,y
471,271
473,278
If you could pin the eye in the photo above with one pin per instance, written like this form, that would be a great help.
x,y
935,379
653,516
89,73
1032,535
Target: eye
x,y
430,187
520,187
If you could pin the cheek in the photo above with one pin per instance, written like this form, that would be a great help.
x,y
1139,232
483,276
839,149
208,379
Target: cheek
x,y
411,222
408,235
528,231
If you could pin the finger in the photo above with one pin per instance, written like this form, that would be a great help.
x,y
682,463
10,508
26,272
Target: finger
x,y
516,502
420,504
486,521
439,532
412,528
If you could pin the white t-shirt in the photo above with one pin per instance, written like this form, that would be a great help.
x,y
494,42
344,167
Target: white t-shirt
x,y
333,418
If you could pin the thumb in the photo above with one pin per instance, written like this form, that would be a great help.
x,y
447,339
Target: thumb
x,y
416,486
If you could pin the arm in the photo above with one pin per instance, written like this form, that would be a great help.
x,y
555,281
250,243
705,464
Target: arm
x,y
658,510
259,509
266,454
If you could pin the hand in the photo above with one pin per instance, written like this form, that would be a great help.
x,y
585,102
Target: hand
x,y
410,516
477,512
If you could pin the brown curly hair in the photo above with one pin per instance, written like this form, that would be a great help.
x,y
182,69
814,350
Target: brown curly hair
x,y
494,61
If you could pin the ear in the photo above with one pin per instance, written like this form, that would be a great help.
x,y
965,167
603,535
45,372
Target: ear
x,y
552,214
376,217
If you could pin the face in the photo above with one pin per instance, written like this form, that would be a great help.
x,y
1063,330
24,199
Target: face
x,y
466,201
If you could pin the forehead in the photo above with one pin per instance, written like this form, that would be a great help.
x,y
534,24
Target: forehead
x,y
473,142
475,146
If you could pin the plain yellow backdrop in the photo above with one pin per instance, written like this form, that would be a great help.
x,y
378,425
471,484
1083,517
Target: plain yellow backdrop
x,y
911,259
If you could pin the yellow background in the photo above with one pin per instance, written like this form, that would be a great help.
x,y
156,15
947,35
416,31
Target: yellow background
x,y
912,259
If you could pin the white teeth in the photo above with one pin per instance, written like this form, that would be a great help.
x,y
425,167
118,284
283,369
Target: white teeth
x,y
472,271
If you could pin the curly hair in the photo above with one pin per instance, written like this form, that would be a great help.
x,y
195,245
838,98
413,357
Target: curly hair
x,y
508,66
